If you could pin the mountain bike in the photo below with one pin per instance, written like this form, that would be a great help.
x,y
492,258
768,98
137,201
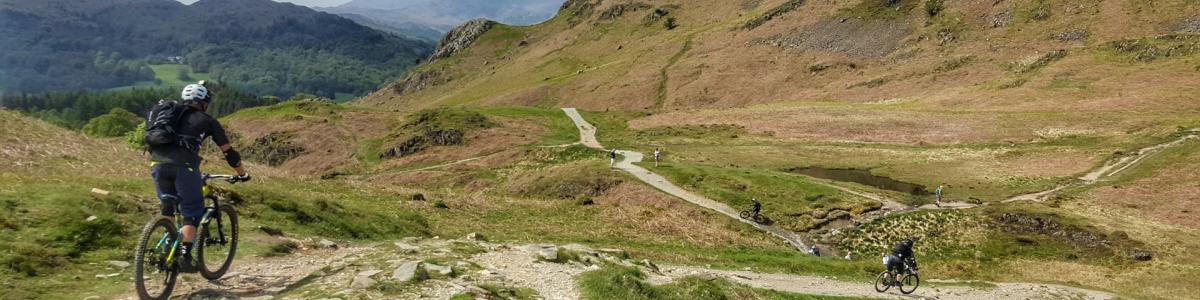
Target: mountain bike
x,y
156,264
907,284
749,214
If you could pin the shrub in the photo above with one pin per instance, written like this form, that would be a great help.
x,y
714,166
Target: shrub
x,y
115,123
934,7
136,138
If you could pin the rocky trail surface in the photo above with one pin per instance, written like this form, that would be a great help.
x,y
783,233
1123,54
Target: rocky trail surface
x,y
437,268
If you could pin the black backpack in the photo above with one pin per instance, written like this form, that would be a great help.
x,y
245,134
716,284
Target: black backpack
x,y
162,126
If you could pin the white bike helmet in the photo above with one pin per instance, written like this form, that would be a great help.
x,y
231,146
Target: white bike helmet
x,y
196,92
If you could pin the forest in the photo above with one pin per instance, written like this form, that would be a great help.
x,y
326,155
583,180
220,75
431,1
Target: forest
x,y
264,47
75,109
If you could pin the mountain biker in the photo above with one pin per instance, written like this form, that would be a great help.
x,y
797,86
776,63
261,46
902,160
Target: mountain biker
x,y
176,167
901,253
755,206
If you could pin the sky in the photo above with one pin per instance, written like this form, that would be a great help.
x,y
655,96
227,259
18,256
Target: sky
x,y
315,3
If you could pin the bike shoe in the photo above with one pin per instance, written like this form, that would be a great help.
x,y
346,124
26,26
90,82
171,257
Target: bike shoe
x,y
187,265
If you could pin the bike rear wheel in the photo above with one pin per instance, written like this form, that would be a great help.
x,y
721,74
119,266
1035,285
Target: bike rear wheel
x,y
760,219
153,277
881,282
909,283
219,238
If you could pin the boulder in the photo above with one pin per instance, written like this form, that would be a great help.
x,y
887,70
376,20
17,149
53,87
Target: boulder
x,y
406,248
548,253
651,266
1141,255
479,292
407,271
580,248
328,244
612,251
362,282
118,264
475,236
439,269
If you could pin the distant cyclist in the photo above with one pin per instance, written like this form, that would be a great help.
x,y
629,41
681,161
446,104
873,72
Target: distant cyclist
x,y
174,135
755,206
903,252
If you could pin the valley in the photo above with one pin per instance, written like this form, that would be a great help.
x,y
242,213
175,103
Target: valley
x,y
1064,134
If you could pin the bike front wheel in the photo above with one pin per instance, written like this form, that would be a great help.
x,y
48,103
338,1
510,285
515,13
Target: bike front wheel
x,y
882,283
909,283
218,242
153,275
745,214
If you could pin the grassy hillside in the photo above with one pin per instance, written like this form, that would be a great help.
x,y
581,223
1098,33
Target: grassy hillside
x,y
993,100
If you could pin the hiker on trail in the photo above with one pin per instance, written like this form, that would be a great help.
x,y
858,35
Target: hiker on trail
x,y
848,253
814,251
938,194
612,158
657,156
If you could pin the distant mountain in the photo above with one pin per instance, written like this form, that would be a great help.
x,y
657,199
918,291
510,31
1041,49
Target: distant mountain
x,y
264,46
442,15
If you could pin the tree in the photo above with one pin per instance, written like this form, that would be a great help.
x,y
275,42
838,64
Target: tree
x,y
115,123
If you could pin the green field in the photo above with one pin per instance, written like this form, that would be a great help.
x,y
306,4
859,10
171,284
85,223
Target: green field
x,y
168,76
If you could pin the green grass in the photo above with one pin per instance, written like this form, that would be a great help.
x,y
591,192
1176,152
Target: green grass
x,y
792,201
562,129
168,76
295,110
615,282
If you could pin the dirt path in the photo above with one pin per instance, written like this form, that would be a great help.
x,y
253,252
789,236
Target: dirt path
x,y
1109,169
815,285
261,277
587,135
